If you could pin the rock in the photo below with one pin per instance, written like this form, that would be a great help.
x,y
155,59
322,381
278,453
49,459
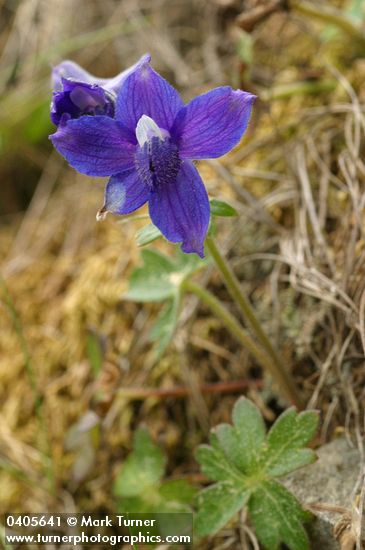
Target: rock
x,y
327,488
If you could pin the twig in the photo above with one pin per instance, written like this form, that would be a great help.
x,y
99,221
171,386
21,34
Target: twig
x,y
178,392
249,19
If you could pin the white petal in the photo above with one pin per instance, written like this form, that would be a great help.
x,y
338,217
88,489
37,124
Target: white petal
x,y
146,129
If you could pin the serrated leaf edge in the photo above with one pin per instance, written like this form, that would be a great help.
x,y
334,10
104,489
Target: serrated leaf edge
x,y
274,457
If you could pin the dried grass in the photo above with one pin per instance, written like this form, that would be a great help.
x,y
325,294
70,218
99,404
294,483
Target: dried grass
x,y
298,247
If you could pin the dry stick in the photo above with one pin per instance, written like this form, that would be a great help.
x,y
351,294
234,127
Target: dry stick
x,y
182,391
273,362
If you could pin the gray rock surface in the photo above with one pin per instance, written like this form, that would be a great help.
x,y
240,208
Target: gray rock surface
x,y
328,482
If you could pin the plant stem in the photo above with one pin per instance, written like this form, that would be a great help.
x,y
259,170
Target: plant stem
x,y
330,15
280,376
228,320
274,365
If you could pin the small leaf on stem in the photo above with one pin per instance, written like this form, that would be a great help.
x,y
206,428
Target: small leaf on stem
x,y
221,208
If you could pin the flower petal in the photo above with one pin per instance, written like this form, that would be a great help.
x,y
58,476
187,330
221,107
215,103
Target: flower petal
x,y
96,145
145,92
71,70
124,193
80,98
181,209
115,84
212,123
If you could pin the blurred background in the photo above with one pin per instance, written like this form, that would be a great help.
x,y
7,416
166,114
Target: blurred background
x,y
78,373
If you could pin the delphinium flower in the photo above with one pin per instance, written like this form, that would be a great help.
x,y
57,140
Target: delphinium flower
x,y
148,148
77,93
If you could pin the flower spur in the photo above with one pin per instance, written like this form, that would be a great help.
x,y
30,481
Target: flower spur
x,y
148,148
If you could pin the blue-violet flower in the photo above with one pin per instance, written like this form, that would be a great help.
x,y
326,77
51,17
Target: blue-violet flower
x,y
147,150
76,92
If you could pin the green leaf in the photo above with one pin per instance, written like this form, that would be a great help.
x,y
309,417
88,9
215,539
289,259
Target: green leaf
x,y
140,505
243,442
277,517
216,465
143,468
178,493
153,282
188,263
250,428
152,501
160,277
148,234
164,328
139,484
220,208
156,261
292,460
289,433
243,460
217,505
292,429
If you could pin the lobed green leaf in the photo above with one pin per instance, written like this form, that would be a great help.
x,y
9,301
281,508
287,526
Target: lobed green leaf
x,y
217,505
139,504
290,432
148,234
244,461
178,493
155,260
139,484
142,469
250,429
215,464
291,460
160,277
277,517
153,282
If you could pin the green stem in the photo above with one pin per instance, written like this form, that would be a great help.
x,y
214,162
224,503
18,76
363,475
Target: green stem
x,y
330,15
244,338
228,320
277,369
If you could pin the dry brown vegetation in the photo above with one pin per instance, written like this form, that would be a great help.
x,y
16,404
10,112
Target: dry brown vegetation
x,y
297,180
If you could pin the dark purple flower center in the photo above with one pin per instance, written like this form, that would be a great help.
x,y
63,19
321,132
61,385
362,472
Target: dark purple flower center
x,y
157,162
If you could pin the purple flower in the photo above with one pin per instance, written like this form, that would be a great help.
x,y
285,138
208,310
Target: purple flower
x,y
77,92
148,150
78,99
